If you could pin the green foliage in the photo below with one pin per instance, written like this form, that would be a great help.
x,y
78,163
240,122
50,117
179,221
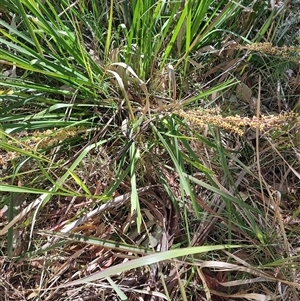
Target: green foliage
x,y
111,116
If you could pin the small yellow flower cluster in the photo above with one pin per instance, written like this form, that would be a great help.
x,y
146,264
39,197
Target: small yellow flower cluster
x,y
39,140
234,123
6,157
268,48
50,137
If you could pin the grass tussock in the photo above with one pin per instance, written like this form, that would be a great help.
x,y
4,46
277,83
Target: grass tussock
x,y
149,150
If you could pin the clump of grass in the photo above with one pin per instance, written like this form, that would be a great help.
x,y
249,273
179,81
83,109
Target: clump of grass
x,y
100,167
